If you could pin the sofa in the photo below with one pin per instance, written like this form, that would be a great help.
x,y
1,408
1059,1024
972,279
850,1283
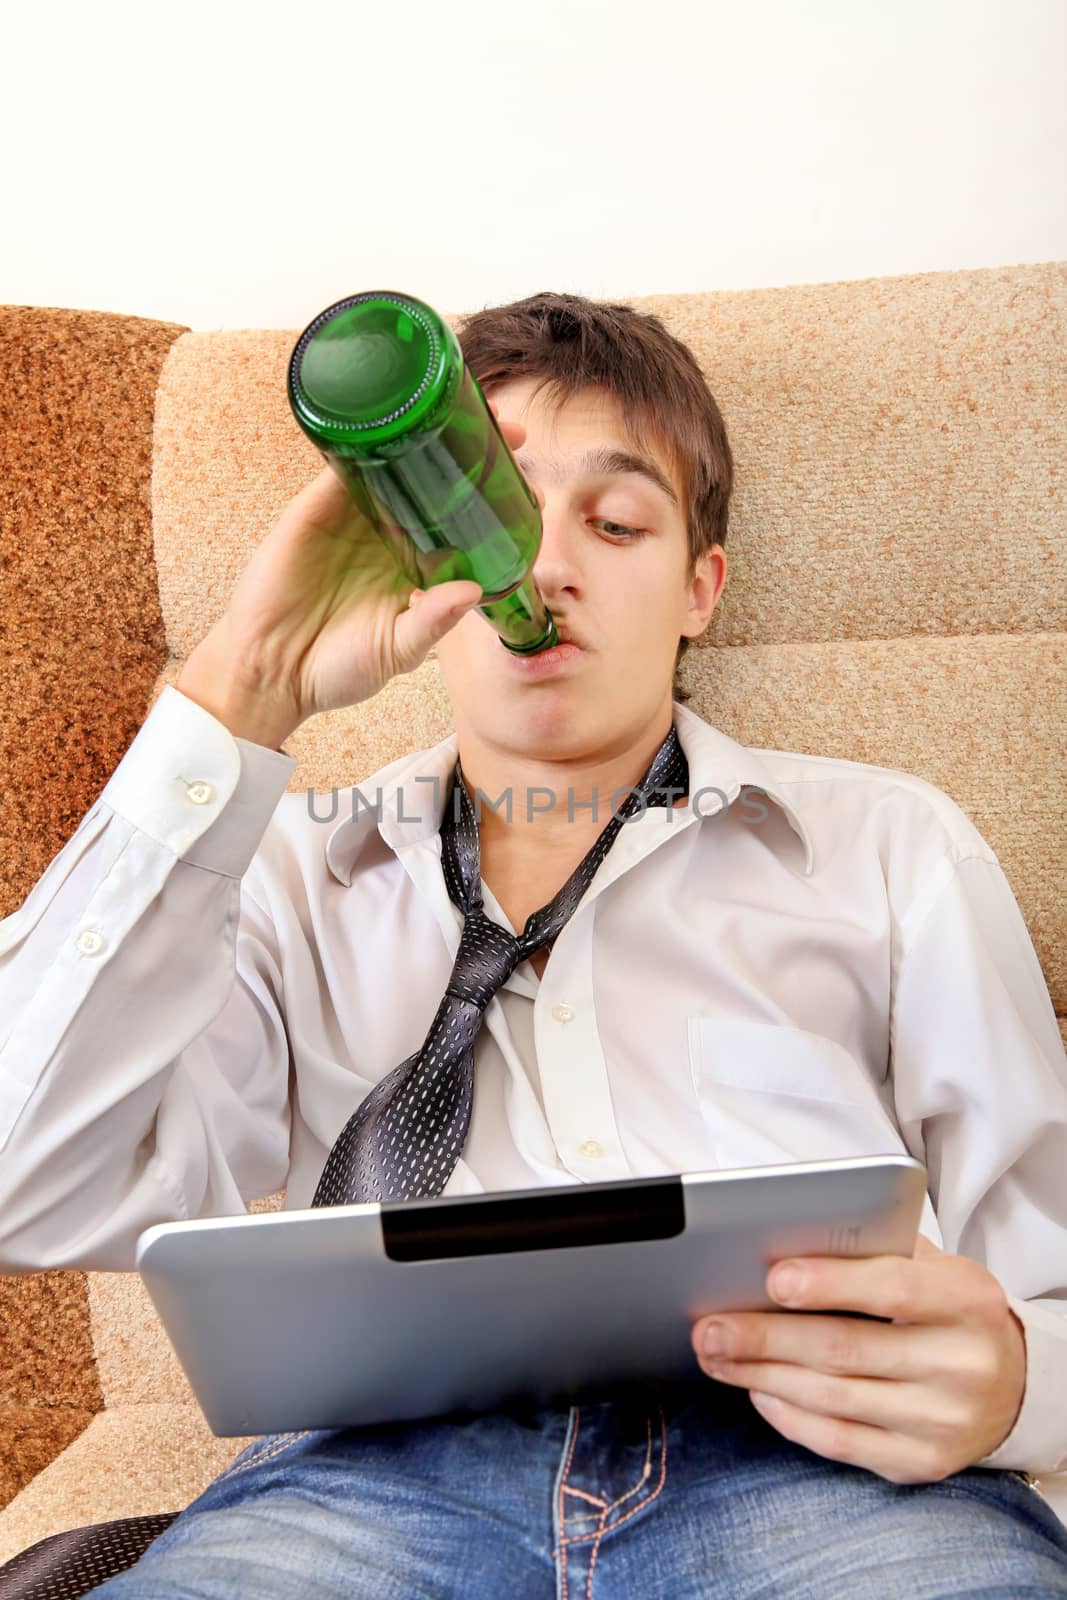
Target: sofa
x,y
897,596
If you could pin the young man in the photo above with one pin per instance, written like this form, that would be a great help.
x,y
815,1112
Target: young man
x,y
789,958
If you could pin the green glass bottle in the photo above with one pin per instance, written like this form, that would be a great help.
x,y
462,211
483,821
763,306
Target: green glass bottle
x,y
378,383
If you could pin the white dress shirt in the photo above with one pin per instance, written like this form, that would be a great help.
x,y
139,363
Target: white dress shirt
x,y
810,958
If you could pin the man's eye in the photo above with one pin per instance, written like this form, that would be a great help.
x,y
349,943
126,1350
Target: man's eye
x,y
619,530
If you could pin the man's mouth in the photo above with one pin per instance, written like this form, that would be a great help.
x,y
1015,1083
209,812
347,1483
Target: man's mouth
x,y
566,635
547,661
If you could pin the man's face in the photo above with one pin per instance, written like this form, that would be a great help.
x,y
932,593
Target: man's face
x,y
612,569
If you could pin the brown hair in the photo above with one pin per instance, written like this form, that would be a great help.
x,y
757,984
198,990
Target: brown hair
x,y
571,343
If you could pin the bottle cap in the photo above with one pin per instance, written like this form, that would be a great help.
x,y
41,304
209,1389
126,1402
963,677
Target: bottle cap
x,y
371,369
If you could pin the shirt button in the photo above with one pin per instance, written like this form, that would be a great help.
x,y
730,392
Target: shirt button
x,y
90,943
563,1013
200,793
592,1149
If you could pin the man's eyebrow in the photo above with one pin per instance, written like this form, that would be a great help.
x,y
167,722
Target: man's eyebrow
x,y
604,463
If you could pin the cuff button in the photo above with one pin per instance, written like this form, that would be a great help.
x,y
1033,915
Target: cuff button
x,y
200,793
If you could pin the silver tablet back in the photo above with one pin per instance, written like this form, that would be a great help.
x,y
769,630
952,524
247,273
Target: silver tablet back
x,y
359,1314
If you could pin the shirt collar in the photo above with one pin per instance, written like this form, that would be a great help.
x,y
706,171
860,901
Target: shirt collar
x,y
720,766
406,799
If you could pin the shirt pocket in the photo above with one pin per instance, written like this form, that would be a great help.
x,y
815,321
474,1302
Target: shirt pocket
x,y
770,1093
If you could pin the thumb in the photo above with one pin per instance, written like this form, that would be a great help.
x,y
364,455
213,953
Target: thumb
x,y
925,1247
429,616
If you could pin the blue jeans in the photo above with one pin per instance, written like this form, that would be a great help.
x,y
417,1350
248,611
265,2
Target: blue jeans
x,y
658,1495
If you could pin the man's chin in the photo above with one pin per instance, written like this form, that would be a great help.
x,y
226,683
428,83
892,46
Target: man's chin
x,y
549,718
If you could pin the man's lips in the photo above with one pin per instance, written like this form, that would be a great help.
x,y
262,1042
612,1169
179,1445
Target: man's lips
x,y
567,635
546,661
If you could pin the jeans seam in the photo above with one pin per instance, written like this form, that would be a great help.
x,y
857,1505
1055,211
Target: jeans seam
x,y
590,1516
605,1508
276,1449
584,1516
561,1514
643,1479
583,1538
601,1505
592,1561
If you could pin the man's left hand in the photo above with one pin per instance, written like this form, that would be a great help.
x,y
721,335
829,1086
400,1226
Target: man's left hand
x,y
936,1389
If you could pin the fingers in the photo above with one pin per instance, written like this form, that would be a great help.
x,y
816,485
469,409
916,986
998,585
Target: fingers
x,y
326,491
880,1396
931,1287
936,1387
838,1345
429,616
513,432
894,1456
920,1410
322,506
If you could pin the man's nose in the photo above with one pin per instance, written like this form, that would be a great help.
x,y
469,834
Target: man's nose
x,y
556,569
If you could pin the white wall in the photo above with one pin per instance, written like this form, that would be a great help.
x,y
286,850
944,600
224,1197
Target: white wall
x,y
243,163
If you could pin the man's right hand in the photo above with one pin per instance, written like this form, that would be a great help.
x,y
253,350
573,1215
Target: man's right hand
x,y
320,618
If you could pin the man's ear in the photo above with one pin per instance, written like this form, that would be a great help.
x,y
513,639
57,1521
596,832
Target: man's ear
x,y
704,589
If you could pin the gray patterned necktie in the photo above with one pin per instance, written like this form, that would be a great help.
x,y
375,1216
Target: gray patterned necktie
x,y
403,1140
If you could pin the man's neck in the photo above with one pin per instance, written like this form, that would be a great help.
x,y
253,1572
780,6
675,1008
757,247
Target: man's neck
x,y
552,807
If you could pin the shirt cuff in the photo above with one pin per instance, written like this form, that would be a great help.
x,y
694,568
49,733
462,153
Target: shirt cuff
x,y
1038,1441
195,788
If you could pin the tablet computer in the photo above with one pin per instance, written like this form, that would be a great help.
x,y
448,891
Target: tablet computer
x,y
349,1315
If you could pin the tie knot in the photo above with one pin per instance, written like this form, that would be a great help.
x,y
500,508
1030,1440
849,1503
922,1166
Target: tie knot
x,y
487,956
